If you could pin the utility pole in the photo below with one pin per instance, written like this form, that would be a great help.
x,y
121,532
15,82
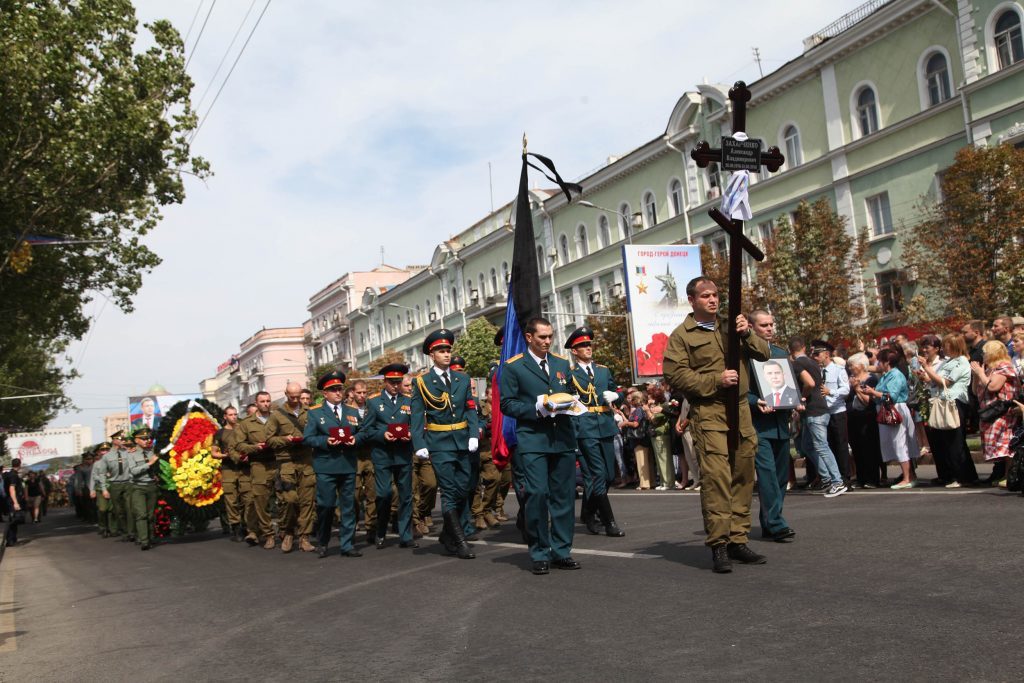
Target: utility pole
x,y
757,58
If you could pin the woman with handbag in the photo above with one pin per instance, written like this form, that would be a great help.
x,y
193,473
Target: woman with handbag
x,y
895,423
949,382
996,387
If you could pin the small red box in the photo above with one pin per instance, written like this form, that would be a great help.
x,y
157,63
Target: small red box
x,y
341,433
295,439
399,431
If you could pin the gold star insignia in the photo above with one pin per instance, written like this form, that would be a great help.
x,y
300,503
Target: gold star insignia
x,y
641,287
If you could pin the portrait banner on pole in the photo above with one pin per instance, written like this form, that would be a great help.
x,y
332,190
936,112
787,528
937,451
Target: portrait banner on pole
x,y
656,277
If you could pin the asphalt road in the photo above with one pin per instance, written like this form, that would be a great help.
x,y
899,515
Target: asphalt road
x,y
914,585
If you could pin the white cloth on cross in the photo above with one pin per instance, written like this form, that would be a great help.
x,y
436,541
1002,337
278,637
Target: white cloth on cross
x,y
736,199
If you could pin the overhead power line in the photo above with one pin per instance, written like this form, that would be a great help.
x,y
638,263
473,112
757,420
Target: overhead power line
x,y
224,58
230,71
193,22
202,29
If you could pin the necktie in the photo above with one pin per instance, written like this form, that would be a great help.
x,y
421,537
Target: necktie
x,y
447,380
590,373
335,409
120,465
777,399
394,399
544,367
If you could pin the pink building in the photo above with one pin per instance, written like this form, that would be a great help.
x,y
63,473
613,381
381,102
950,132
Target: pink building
x,y
268,360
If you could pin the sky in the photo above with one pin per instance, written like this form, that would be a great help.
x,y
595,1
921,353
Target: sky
x,y
348,126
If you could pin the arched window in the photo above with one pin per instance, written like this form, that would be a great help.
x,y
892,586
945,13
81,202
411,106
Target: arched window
x,y
582,248
604,232
936,76
675,193
483,286
440,306
419,316
791,138
867,111
625,216
504,277
494,282
1009,45
563,249
542,263
455,297
650,210
391,330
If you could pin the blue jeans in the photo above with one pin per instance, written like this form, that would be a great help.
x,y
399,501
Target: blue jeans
x,y
815,444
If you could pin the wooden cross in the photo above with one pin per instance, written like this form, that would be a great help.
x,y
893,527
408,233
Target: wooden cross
x,y
749,158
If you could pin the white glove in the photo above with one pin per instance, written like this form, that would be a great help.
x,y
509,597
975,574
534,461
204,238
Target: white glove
x,y
423,453
474,444
541,408
610,397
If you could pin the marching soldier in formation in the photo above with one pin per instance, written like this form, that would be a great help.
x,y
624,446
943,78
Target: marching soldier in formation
x,y
366,481
141,463
445,429
335,463
424,485
387,431
486,491
546,451
595,431
296,481
98,481
250,441
235,475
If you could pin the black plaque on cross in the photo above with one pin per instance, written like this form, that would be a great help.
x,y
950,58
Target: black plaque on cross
x,y
736,155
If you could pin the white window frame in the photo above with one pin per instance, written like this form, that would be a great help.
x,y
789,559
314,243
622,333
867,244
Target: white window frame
x,y
991,53
564,253
542,260
897,286
649,221
672,195
625,220
855,114
784,144
922,76
582,241
604,232
872,223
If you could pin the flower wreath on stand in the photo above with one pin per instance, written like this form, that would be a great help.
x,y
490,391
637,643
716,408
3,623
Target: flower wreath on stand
x,y
189,474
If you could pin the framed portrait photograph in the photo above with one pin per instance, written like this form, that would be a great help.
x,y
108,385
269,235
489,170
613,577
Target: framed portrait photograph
x,y
776,382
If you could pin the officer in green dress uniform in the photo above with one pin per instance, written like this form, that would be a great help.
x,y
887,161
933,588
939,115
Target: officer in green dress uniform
x,y
334,462
444,429
141,463
117,483
546,451
98,482
387,413
595,431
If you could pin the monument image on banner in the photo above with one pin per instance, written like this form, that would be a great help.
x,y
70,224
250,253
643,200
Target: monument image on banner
x,y
147,410
656,277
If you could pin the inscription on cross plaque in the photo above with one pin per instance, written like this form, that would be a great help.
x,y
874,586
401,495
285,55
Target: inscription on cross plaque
x,y
736,154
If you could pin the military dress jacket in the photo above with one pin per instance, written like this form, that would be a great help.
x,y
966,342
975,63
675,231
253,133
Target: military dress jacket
x,y
382,411
333,459
599,422
694,362
443,421
774,425
522,381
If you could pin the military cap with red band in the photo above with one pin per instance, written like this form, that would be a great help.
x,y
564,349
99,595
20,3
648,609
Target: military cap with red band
x,y
458,363
437,340
335,378
394,371
581,335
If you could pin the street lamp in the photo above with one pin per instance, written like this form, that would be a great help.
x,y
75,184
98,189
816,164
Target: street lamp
x,y
635,223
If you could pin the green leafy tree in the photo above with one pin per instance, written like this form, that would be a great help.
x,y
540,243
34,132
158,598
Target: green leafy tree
x,y
94,136
968,250
25,370
810,278
476,345
611,340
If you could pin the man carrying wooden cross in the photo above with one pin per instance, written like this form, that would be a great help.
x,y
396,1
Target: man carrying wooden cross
x,y
695,365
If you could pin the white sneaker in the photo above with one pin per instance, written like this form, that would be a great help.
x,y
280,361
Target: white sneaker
x,y
953,485
836,490
661,488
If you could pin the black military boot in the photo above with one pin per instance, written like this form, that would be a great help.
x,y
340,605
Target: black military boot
x,y
235,536
382,525
720,557
322,528
460,547
610,527
742,553
589,514
446,538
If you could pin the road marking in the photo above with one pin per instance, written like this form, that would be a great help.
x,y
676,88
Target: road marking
x,y
575,551
856,494
7,630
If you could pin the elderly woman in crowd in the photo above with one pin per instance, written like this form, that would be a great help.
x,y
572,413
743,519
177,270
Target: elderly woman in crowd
x,y
863,430
897,442
996,380
949,378
637,438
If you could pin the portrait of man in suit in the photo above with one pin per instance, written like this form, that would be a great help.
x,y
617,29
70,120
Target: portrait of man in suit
x,y
776,382
150,415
